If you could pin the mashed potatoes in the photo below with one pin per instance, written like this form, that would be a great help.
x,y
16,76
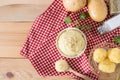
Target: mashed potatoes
x,y
71,42
74,5
107,66
61,66
114,55
99,55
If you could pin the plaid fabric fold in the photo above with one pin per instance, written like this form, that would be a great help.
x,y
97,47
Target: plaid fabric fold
x,y
43,26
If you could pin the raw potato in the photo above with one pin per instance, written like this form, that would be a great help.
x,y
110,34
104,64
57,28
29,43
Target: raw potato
x,y
97,10
107,66
99,55
114,55
61,66
74,5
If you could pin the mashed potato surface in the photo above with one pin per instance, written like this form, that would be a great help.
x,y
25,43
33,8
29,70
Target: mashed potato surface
x,y
71,42
61,66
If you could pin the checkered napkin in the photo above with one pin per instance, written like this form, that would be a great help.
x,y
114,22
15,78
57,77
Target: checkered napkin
x,y
40,46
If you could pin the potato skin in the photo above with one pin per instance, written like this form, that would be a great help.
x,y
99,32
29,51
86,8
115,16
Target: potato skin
x,y
97,10
74,5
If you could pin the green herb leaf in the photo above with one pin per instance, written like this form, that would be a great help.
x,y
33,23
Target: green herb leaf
x,y
78,25
116,39
68,20
84,15
88,27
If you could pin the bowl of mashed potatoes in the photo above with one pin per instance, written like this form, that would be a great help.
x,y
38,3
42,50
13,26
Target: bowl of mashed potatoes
x,y
71,42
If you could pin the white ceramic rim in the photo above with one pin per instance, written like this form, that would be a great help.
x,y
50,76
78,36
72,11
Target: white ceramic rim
x,y
81,52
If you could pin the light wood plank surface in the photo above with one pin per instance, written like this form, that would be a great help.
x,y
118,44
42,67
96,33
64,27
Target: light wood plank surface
x,y
21,69
11,2
12,37
22,10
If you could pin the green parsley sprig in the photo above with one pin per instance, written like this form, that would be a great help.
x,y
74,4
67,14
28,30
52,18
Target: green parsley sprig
x,y
84,15
88,27
78,25
67,20
116,39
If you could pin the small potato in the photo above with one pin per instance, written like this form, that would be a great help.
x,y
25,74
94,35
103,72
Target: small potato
x,y
99,55
107,66
114,55
74,5
97,10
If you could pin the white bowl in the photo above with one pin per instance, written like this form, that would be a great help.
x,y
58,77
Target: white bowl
x,y
81,52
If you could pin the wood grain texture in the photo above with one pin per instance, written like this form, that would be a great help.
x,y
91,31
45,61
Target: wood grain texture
x,y
21,69
12,2
12,37
22,10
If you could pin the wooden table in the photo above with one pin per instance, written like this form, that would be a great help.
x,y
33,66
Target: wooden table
x,y
12,65
12,37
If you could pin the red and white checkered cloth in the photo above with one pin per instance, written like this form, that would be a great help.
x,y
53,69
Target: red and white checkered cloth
x,y
40,46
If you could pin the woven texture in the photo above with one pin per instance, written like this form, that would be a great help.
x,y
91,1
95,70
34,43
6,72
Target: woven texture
x,y
40,46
